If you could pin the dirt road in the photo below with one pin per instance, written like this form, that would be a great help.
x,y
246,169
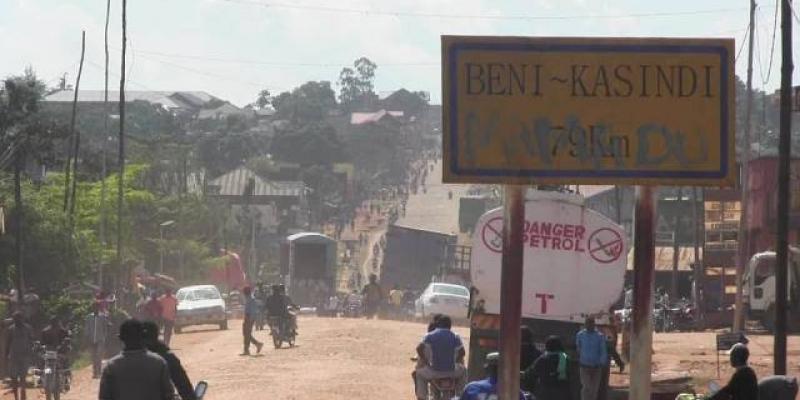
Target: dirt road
x,y
334,359
357,359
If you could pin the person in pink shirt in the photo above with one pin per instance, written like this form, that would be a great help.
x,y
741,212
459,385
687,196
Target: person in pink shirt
x,y
169,311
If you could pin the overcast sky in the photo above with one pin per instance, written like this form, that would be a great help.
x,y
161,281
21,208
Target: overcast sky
x,y
235,48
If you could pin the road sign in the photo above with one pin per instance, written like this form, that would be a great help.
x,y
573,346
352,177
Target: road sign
x,y
573,259
588,110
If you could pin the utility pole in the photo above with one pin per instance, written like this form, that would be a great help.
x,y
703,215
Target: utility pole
x,y
676,249
18,220
77,148
784,156
744,247
121,155
643,279
698,271
103,173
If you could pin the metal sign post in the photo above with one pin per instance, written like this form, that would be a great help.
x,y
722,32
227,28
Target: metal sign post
x,y
643,278
511,291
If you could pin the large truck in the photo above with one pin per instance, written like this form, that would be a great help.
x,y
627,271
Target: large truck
x,y
413,257
574,264
308,267
759,287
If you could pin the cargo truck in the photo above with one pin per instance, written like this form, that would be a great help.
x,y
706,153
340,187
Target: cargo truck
x,y
308,267
414,256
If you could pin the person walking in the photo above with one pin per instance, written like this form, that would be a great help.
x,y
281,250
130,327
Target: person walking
x,y
251,311
169,312
95,329
373,295
177,374
592,358
135,373
19,348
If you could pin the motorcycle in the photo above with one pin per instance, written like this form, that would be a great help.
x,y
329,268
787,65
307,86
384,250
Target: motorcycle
x,y
281,332
54,376
442,389
353,308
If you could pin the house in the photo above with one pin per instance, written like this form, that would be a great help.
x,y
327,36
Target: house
x,y
176,102
275,206
362,118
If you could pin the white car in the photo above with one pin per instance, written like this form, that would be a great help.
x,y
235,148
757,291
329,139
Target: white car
x,y
200,305
443,298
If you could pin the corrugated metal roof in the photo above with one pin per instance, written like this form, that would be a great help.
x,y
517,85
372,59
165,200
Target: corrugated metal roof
x,y
358,118
236,182
168,99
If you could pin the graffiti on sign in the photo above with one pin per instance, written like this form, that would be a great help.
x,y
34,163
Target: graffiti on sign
x,y
578,110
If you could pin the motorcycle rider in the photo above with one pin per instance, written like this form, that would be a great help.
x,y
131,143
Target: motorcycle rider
x,y
278,305
442,354
53,335
176,372
487,388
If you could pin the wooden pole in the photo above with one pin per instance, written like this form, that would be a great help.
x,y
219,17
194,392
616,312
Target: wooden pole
x,y
103,166
77,148
673,292
71,146
784,159
121,155
698,270
643,275
18,222
743,252
511,291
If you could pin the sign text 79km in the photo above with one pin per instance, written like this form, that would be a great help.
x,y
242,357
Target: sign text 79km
x,y
581,110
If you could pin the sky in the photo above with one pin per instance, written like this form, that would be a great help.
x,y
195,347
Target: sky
x,y
235,48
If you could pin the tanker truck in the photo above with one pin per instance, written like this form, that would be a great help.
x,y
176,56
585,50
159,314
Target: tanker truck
x,y
574,264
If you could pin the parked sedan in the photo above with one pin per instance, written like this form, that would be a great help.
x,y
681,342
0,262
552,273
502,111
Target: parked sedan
x,y
200,305
443,298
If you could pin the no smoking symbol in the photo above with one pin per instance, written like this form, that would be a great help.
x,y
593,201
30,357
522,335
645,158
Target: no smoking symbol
x,y
605,245
492,234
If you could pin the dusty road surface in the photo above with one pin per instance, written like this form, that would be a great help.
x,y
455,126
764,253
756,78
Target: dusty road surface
x,y
347,359
357,359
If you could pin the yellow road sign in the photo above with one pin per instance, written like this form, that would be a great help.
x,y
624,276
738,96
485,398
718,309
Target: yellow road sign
x,y
588,110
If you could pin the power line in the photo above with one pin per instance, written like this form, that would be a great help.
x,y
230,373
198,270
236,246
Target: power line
x,y
280,64
741,46
772,46
398,13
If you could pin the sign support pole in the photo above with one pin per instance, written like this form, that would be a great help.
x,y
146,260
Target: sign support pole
x,y
784,160
511,291
643,279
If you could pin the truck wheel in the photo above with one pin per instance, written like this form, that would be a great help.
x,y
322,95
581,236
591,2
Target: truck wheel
x,y
768,319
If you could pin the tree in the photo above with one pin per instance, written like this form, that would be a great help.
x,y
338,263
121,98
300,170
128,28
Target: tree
x,y
308,144
27,134
357,84
264,99
308,103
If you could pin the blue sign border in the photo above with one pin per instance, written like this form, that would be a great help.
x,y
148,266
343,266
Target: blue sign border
x,y
722,51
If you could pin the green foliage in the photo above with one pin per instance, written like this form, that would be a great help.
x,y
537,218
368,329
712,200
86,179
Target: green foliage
x,y
357,84
308,103
222,151
309,144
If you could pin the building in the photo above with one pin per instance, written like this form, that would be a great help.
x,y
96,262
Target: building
x,y
177,102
